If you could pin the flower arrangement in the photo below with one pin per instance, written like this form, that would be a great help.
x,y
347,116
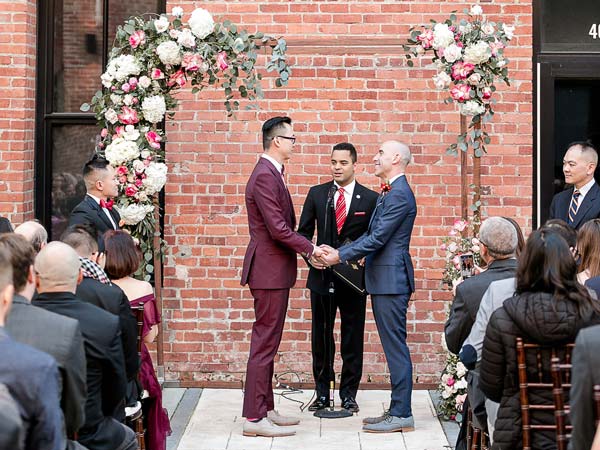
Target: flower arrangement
x,y
458,242
453,389
151,59
469,56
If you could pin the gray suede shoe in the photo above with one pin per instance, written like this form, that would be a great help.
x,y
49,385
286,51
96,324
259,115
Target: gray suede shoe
x,y
391,424
372,420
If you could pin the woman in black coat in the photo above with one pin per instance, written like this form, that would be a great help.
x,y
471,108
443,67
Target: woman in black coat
x,y
549,307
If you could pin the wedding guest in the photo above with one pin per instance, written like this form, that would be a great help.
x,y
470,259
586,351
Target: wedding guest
x,y
35,233
106,381
549,307
57,335
122,261
588,247
12,434
520,237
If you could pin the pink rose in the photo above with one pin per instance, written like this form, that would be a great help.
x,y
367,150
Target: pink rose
x,y
139,182
122,170
178,78
191,61
136,39
460,225
128,116
119,130
460,93
495,46
125,87
133,82
222,60
486,93
461,70
153,139
130,190
123,179
443,247
104,132
449,382
426,38
157,74
135,100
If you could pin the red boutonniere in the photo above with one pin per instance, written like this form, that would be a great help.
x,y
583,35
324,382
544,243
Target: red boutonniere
x,y
385,187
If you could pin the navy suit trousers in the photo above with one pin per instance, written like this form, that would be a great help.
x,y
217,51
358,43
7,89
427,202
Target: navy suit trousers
x,y
390,317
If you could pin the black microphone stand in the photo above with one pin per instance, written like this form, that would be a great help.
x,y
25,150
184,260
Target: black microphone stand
x,y
330,234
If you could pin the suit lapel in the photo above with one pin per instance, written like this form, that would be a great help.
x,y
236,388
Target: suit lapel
x,y
587,203
100,212
279,177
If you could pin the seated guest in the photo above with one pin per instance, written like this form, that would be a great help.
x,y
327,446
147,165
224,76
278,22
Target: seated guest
x,y
588,247
35,234
57,335
549,307
96,288
106,381
11,427
97,206
5,226
122,261
520,238
31,377
585,374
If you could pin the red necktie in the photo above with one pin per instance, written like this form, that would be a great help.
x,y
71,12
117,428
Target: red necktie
x,y
107,204
340,210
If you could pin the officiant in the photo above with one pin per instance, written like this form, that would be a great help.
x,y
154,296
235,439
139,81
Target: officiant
x,y
341,210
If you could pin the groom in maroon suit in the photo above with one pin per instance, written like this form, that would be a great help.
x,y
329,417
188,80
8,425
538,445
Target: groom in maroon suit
x,y
270,271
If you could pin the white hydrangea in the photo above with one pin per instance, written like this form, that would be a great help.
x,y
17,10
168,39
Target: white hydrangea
x,y
107,79
186,38
201,23
111,115
134,213
476,10
161,24
169,53
452,53
442,80
177,11
120,151
122,67
156,177
442,36
154,108
509,31
471,108
478,53
130,133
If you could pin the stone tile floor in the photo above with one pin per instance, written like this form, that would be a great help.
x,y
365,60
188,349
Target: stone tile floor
x,y
209,419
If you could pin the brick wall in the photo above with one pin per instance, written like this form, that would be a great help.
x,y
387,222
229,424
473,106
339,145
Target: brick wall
x,y
17,107
349,83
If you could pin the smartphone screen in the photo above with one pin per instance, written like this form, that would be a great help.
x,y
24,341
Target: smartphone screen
x,y
467,265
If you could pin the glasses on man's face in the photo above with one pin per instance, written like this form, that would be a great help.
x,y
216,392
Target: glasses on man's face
x,y
289,138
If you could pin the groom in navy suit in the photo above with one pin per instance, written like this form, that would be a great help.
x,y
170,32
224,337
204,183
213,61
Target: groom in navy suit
x,y
389,278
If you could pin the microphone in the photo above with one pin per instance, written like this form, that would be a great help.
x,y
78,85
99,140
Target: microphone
x,y
331,193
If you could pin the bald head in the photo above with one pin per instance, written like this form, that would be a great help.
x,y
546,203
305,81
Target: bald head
x,y
392,159
35,233
57,277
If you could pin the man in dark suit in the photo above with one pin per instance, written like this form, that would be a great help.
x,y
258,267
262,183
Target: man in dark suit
x,y
57,335
5,226
11,425
31,377
581,202
270,266
389,278
97,206
498,239
586,374
96,288
341,209
106,381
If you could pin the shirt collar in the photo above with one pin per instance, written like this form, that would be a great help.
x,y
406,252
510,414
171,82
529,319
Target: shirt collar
x,y
395,178
348,189
273,161
586,187
96,199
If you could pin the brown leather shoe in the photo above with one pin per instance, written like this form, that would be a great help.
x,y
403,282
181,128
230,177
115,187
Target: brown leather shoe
x,y
282,421
266,428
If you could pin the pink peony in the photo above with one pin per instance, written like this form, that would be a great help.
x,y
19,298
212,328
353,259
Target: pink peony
x,y
128,116
122,170
461,70
157,74
486,93
461,93
153,139
222,60
178,78
191,61
136,39
130,190
449,382
426,38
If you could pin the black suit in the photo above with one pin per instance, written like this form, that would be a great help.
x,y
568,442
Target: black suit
x,y
468,298
106,381
324,306
588,209
5,226
89,211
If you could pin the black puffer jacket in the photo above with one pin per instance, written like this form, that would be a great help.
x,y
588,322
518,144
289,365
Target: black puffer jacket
x,y
536,318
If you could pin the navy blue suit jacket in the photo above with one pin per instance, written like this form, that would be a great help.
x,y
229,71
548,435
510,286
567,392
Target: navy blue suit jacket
x,y
388,268
588,210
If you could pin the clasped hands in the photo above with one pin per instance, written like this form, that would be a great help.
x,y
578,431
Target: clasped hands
x,y
324,256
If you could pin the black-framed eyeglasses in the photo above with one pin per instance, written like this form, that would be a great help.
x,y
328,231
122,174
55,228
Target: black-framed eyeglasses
x,y
289,138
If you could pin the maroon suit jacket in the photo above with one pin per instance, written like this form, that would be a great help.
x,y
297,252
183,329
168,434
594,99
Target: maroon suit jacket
x,y
270,261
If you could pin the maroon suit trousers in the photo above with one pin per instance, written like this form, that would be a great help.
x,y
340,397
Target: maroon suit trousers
x,y
270,307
